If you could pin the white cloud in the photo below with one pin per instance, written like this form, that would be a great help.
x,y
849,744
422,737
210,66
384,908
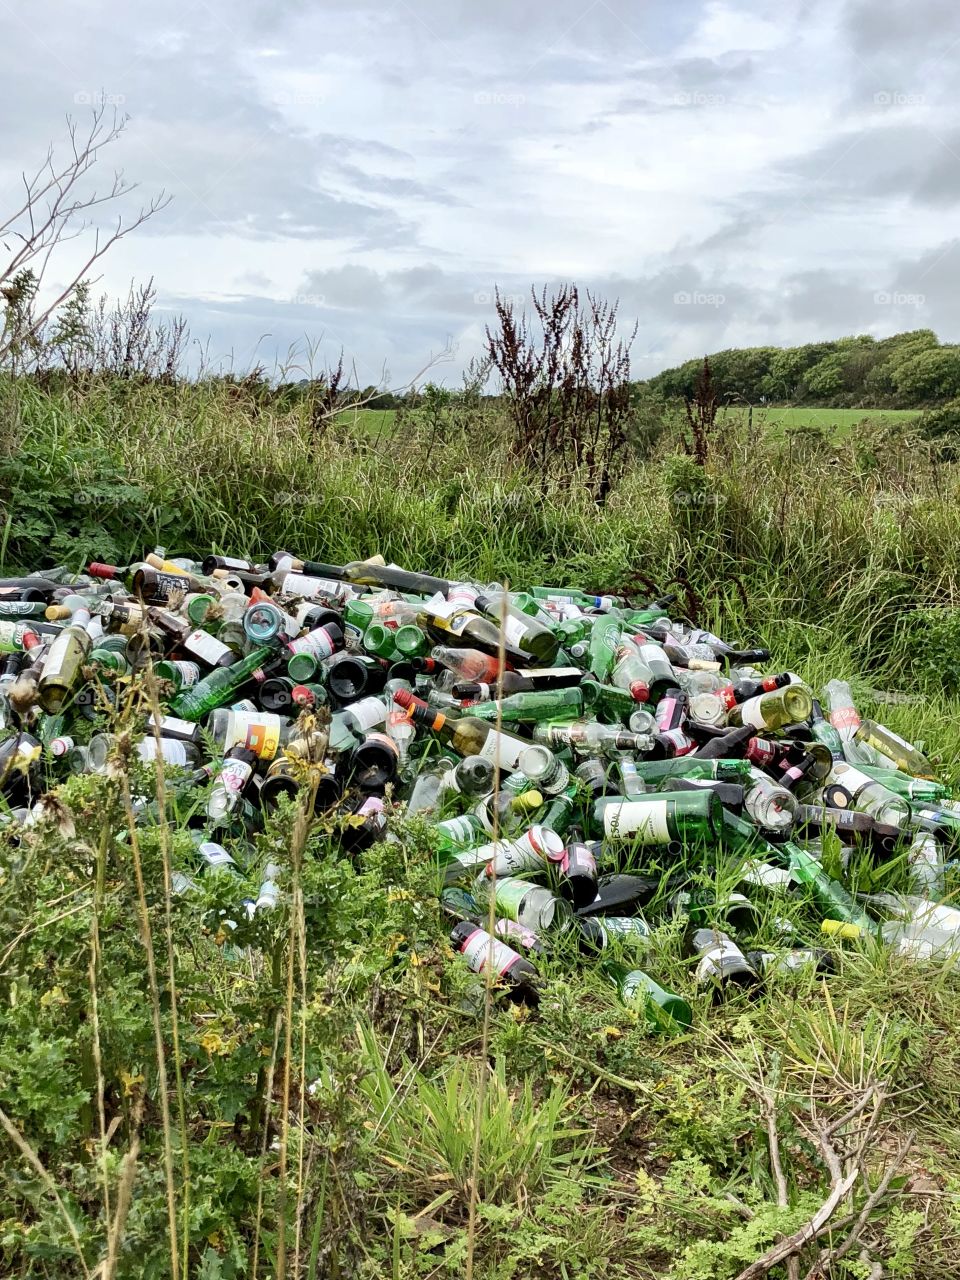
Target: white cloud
x,y
397,161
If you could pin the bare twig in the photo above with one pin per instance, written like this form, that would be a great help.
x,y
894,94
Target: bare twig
x,y
53,211
793,1243
827,1258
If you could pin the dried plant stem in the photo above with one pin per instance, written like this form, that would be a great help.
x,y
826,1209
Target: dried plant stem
x,y
147,939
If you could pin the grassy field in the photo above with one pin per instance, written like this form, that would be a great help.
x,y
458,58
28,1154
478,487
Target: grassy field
x,y
321,1091
836,423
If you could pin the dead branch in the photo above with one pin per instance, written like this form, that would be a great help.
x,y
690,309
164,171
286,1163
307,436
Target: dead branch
x,y
55,209
792,1244
845,1144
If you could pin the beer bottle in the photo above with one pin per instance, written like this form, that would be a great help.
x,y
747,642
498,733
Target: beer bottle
x,y
638,988
720,962
219,686
531,708
662,818
480,950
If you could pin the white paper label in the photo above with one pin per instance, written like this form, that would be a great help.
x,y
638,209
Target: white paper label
x,y
441,608
172,727
481,947
174,752
366,714
235,775
514,631
205,647
298,584
316,642
508,753
714,962
646,821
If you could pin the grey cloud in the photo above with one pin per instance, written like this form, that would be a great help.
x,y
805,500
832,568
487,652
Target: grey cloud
x,y
930,285
885,162
378,174
813,296
891,26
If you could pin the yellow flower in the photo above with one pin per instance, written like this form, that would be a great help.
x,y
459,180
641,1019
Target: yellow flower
x,y
131,1084
647,1189
214,1043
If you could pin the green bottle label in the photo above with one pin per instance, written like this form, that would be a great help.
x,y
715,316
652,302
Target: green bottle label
x,y
510,894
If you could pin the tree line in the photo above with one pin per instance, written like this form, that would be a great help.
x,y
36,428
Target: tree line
x,y
909,370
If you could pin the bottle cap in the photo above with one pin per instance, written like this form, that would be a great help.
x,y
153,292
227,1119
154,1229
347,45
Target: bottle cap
x,y
837,797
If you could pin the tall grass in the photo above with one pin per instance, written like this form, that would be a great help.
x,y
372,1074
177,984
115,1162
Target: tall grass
x,y
793,537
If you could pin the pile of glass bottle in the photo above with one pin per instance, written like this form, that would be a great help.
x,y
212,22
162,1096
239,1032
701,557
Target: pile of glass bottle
x,y
580,761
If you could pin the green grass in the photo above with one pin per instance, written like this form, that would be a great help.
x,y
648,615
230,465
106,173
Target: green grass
x,y
778,419
835,423
605,1148
370,422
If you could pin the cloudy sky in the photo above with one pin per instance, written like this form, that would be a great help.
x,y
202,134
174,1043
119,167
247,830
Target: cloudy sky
x,y
363,173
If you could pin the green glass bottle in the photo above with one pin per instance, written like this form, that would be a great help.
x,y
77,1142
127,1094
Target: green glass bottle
x,y
357,614
572,631
520,630
541,704
379,641
831,897
640,617
609,701
905,785
716,770
559,813
529,904
302,666
108,660
571,595
219,687
455,834
605,636
451,626
410,641
639,989
662,818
